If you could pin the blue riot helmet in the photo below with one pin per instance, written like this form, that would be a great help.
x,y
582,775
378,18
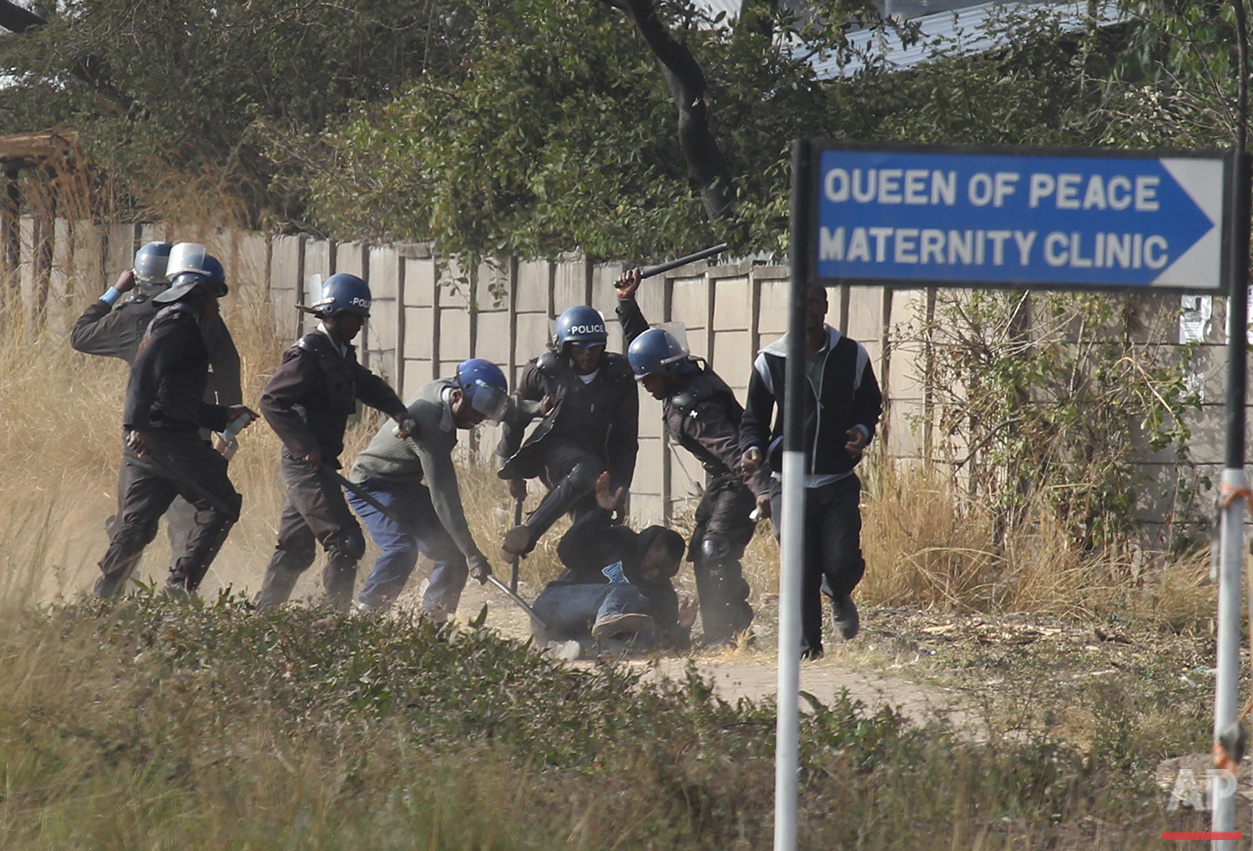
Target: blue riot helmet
x,y
149,267
656,351
343,292
583,325
485,387
191,266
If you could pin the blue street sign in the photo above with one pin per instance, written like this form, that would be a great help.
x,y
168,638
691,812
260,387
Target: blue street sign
x,y
1085,219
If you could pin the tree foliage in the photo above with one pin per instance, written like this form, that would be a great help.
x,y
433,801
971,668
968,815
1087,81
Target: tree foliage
x,y
194,81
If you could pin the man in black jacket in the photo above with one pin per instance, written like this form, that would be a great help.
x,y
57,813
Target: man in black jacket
x,y
164,454
701,415
590,411
617,581
842,408
307,402
113,328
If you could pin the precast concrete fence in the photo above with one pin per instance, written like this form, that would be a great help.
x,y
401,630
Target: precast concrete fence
x,y
430,312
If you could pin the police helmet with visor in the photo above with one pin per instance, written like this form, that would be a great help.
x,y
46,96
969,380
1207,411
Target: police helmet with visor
x,y
484,387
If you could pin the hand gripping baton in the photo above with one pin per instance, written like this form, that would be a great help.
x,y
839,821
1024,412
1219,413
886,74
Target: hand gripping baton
x,y
649,271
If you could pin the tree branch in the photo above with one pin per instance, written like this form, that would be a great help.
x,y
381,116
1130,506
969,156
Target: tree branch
x,y
706,165
90,69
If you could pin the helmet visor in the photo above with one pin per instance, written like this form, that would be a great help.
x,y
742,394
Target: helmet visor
x,y
487,399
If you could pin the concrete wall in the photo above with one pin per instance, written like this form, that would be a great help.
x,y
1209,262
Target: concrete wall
x,y
429,313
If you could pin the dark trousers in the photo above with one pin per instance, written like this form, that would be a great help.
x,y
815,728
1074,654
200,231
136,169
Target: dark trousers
x,y
420,532
180,517
723,528
315,513
832,549
570,474
178,465
569,611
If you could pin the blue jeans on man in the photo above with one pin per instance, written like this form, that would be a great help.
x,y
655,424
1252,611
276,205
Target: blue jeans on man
x,y
570,611
420,532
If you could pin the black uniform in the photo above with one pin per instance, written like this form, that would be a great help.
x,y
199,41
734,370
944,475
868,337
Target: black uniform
x,y
703,416
164,400
308,402
593,428
115,332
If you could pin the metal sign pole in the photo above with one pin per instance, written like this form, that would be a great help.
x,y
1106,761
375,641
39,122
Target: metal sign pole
x,y
792,544
1234,483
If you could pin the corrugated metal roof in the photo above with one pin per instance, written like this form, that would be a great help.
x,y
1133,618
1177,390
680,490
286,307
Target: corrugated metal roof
x,y
713,7
963,30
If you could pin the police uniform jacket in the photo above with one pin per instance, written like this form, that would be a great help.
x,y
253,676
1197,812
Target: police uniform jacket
x,y
600,417
702,414
167,381
116,332
313,393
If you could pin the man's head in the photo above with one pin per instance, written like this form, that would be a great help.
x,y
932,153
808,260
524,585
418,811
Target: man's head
x,y
657,359
344,306
151,264
196,277
581,335
661,553
481,393
815,309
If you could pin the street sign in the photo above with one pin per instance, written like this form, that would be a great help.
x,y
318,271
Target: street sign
x,y
994,217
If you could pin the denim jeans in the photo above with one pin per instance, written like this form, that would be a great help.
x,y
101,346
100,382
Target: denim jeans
x,y
570,610
421,533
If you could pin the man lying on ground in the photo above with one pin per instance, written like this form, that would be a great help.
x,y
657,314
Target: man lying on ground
x,y
617,581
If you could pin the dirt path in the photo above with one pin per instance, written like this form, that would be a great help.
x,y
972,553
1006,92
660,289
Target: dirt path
x,y
752,673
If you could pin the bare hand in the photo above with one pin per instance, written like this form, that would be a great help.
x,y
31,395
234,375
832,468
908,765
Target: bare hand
x,y
405,426
687,611
125,281
763,506
517,488
138,442
857,441
628,282
547,406
605,499
314,460
480,568
751,462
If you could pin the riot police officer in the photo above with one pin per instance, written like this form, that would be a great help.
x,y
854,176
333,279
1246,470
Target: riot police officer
x,y
164,454
308,402
114,325
590,411
701,415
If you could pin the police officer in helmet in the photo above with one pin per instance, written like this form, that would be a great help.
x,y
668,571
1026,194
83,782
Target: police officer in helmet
x,y
113,326
308,402
164,455
590,425
702,415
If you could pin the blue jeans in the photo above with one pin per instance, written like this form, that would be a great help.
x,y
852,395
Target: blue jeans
x,y
570,610
421,533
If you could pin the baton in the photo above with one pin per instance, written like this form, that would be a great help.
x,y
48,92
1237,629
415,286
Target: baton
x,y
649,271
513,564
512,596
164,463
364,495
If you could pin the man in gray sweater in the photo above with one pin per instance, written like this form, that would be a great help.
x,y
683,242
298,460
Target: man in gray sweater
x,y
426,518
